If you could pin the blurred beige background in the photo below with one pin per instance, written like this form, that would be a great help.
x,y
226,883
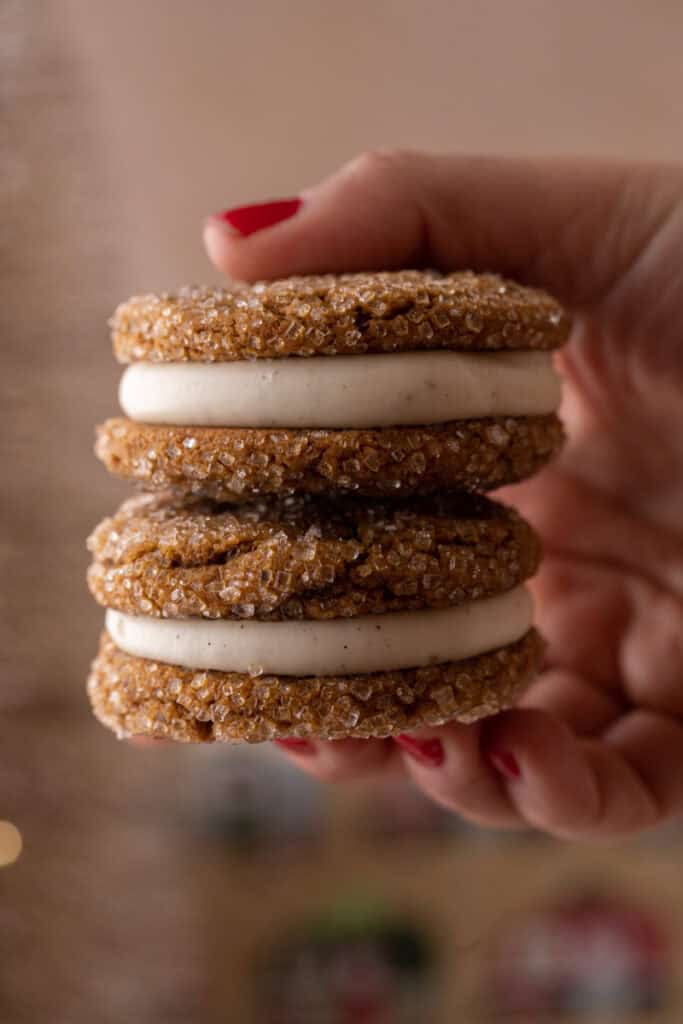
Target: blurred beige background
x,y
208,104
123,125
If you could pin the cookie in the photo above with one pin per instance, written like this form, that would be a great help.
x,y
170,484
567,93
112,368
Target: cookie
x,y
234,465
299,558
345,314
136,696
278,615
378,384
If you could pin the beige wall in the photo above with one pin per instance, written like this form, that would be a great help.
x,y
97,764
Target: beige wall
x,y
203,104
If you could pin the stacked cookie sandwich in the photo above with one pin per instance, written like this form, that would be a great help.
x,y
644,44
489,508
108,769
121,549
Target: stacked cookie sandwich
x,y
318,557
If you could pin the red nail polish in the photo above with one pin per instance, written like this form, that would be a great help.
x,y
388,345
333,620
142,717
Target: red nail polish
x,y
296,746
428,752
505,763
247,220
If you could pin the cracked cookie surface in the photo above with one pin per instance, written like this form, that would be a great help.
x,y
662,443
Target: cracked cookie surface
x,y
306,558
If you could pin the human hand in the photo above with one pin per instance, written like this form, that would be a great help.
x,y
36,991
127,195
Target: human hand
x,y
595,748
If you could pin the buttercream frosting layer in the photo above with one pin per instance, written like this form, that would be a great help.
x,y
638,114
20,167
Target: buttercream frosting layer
x,y
395,389
370,643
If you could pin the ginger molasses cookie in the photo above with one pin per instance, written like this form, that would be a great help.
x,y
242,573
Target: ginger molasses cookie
x,y
302,616
378,383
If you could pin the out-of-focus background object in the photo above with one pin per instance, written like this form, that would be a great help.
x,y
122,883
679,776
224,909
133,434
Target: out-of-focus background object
x,y
218,885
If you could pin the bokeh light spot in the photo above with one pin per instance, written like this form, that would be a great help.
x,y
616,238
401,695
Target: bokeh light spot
x,y
10,843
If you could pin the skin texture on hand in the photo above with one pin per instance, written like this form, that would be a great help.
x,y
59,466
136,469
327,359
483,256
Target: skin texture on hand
x,y
596,748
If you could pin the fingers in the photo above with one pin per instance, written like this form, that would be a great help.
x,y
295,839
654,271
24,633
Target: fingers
x,y
519,768
342,760
608,576
364,216
526,767
559,223
449,765
560,505
651,744
585,708
553,787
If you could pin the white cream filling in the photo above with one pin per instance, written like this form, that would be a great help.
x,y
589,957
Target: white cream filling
x,y
394,389
369,643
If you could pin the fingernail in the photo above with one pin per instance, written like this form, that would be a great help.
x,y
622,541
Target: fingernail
x,y
427,752
296,746
247,220
505,763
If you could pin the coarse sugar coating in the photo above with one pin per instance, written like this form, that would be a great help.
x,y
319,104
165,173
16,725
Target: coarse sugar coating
x,y
321,524
310,558
389,311
234,464
134,696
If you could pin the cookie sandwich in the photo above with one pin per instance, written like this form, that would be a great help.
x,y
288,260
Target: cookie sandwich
x,y
377,384
303,616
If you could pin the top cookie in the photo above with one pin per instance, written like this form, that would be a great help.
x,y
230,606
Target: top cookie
x,y
343,314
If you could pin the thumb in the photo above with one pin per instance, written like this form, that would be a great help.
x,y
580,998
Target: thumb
x,y
570,225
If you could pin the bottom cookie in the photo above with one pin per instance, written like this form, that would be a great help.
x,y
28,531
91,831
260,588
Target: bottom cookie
x,y
134,696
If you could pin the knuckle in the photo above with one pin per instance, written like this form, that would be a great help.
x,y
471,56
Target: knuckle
x,y
382,163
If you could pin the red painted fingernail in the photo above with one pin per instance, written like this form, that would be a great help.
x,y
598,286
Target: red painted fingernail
x,y
429,752
296,746
505,763
247,220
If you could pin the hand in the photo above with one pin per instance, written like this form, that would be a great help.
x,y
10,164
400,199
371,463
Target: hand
x,y
595,749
